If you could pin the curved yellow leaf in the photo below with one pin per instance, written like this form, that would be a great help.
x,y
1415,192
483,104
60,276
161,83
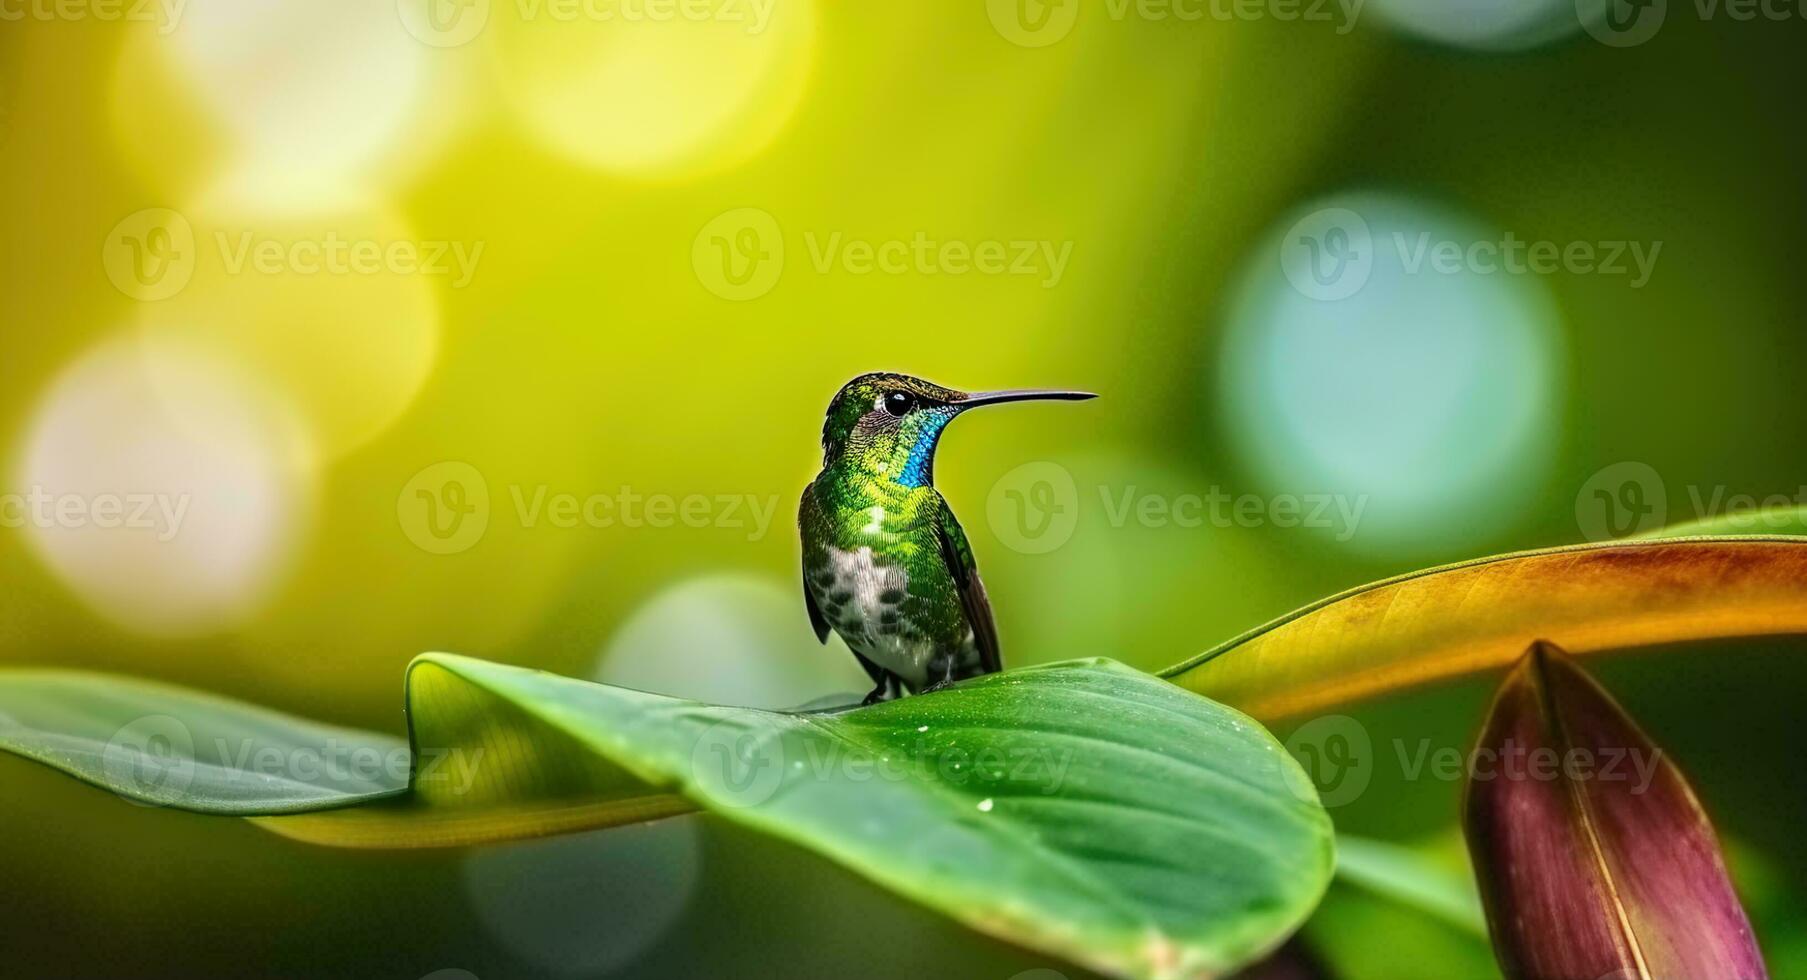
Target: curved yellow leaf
x,y
486,769
1482,614
405,823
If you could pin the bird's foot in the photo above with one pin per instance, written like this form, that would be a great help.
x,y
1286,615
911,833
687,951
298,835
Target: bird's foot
x,y
947,680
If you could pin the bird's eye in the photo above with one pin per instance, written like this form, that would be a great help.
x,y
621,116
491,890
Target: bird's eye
x,y
898,404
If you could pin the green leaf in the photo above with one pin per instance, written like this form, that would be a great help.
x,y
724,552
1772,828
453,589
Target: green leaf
x,y
165,746
1740,523
1388,897
1412,878
1482,614
1364,937
1084,809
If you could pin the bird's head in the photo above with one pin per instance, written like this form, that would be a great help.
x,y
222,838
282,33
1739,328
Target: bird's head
x,y
891,423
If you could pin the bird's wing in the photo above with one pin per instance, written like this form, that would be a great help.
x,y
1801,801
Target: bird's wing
x,y
816,619
807,514
958,556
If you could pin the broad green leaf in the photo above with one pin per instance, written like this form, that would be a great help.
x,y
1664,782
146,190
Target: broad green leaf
x,y
1411,878
1739,523
1481,614
1366,937
1388,897
166,746
1084,809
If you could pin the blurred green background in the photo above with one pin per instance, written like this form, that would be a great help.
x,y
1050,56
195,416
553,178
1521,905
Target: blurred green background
x,y
589,251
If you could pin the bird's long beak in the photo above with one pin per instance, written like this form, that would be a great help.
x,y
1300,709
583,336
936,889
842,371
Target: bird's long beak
x,y
977,398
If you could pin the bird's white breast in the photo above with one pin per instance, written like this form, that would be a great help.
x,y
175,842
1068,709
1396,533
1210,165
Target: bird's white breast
x,y
902,651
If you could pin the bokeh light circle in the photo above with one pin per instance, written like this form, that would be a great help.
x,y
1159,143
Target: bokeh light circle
x,y
290,101
587,904
173,509
336,308
308,92
700,87
1136,542
1482,25
1427,398
729,638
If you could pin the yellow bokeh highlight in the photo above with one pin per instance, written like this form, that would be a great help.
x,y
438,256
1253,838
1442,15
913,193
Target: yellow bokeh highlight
x,y
701,87
291,103
158,120
335,309
729,638
171,506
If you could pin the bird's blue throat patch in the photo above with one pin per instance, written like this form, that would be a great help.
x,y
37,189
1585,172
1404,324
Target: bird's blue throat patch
x,y
919,465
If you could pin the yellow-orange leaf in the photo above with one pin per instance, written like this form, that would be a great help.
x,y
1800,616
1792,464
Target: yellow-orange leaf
x,y
1480,614
486,769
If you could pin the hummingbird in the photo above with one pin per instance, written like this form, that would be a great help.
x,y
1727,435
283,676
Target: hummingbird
x,y
885,564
